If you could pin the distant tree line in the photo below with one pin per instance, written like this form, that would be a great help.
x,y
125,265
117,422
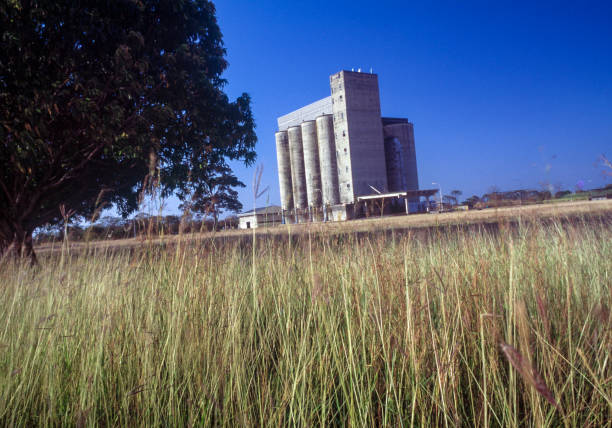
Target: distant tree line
x,y
141,225
497,198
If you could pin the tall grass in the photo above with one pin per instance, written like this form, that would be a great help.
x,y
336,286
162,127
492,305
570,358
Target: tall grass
x,y
393,331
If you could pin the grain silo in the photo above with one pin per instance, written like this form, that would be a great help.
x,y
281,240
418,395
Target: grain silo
x,y
344,156
402,132
298,175
327,160
311,163
284,170
396,176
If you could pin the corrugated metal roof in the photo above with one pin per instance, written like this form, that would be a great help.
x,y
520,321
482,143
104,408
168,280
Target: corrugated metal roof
x,y
272,209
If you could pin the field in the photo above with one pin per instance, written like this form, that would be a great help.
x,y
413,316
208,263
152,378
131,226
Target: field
x,y
469,325
373,225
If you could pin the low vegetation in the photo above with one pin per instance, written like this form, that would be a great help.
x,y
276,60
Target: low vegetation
x,y
504,326
142,226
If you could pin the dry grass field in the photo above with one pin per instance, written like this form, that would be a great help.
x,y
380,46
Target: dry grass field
x,y
378,224
437,326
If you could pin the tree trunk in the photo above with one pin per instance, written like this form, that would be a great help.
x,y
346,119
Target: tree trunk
x,y
18,246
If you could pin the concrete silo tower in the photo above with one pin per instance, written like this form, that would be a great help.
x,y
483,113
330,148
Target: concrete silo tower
x,y
298,173
327,160
311,163
284,171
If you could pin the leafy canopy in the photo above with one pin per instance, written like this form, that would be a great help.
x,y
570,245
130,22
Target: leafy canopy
x,y
100,99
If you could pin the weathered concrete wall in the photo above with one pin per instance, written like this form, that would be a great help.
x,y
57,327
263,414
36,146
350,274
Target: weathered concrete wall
x,y
342,212
309,112
359,135
247,222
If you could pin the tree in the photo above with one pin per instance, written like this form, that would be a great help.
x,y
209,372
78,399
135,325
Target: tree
x,y
450,200
456,194
210,188
472,201
100,101
606,164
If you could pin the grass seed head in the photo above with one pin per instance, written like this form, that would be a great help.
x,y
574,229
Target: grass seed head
x,y
528,372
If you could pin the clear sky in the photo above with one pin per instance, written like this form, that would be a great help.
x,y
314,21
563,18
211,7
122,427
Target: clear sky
x,y
505,94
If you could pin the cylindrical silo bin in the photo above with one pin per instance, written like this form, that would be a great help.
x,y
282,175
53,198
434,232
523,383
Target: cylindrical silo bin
x,y
311,163
327,160
284,170
409,153
404,132
396,174
298,175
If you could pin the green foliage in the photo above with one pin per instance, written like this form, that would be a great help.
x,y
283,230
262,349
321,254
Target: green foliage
x,y
337,330
99,100
211,190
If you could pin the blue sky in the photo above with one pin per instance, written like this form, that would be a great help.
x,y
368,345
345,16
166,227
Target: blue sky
x,y
505,94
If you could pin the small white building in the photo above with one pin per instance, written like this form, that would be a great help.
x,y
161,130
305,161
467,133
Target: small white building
x,y
260,217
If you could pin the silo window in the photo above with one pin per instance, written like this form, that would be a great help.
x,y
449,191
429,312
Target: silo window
x,y
345,150
344,133
348,185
